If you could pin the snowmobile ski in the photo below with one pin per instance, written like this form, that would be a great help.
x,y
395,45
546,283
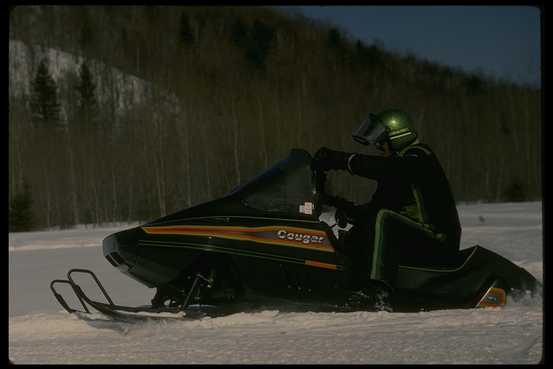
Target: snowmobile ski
x,y
129,313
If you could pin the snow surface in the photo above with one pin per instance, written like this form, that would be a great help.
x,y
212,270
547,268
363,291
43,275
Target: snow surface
x,y
40,332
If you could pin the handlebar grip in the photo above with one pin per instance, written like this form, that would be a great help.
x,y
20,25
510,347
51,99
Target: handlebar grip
x,y
320,179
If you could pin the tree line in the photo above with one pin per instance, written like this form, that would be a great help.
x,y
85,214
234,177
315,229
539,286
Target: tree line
x,y
227,91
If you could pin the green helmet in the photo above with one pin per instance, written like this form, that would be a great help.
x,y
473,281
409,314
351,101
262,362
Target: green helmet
x,y
392,126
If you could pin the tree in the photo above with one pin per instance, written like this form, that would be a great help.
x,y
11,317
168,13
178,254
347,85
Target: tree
x,y
261,42
255,42
239,34
20,212
334,39
186,34
475,84
86,36
44,100
372,55
87,105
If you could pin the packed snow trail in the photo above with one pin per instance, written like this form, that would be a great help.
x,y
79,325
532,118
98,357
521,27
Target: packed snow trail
x,y
39,332
509,335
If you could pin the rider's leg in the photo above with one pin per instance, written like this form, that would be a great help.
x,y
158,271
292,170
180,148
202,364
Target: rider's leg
x,y
395,237
359,251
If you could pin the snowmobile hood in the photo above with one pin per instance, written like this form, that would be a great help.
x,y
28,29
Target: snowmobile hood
x,y
275,210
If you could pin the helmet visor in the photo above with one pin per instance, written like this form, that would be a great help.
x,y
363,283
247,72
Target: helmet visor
x,y
370,132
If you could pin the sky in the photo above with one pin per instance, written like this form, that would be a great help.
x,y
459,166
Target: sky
x,y
502,41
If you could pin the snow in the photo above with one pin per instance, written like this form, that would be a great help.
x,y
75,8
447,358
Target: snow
x,y
40,332
81,236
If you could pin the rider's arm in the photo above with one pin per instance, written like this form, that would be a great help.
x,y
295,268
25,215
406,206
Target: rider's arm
x,y
378,167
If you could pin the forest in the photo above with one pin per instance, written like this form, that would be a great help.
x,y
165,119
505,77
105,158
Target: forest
x,y
129,113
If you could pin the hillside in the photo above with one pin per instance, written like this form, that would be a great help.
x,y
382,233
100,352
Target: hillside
x,y
180,104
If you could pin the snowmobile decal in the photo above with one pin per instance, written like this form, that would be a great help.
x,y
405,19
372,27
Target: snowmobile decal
x,y
232,251
320,264
274,235
494,297
300,237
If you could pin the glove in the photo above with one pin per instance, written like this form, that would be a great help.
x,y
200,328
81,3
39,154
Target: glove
x,y
338,202
326,159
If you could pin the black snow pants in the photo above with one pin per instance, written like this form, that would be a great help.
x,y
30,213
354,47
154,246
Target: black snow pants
x,y
379,243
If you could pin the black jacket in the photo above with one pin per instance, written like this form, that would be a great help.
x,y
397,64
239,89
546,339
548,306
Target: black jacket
x,y
412,183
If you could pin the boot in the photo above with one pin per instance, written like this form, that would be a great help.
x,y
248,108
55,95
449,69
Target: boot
x,y
374,295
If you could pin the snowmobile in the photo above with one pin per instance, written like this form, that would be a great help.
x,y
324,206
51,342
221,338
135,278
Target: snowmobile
x,y
269,238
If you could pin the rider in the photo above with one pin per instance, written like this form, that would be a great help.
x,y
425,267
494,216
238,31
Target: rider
x,y
411,215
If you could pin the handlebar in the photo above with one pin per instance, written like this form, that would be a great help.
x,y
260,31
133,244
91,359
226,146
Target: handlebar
x,y
341,204
320,180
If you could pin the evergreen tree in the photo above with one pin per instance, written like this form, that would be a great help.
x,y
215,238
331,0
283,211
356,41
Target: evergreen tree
x,y
336,42
261,42
256,41
20,212
186,33
334,39
86,37
44,100
239,34
366,55
86,88
475,84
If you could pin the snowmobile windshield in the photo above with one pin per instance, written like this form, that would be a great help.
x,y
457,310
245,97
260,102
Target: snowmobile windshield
x,y
285,188
370,132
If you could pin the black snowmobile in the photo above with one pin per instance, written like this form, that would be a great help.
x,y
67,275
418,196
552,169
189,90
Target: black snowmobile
x,y
266,240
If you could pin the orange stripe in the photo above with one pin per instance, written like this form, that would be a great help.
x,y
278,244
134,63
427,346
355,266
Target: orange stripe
x,y
320,264
229,229
237,233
